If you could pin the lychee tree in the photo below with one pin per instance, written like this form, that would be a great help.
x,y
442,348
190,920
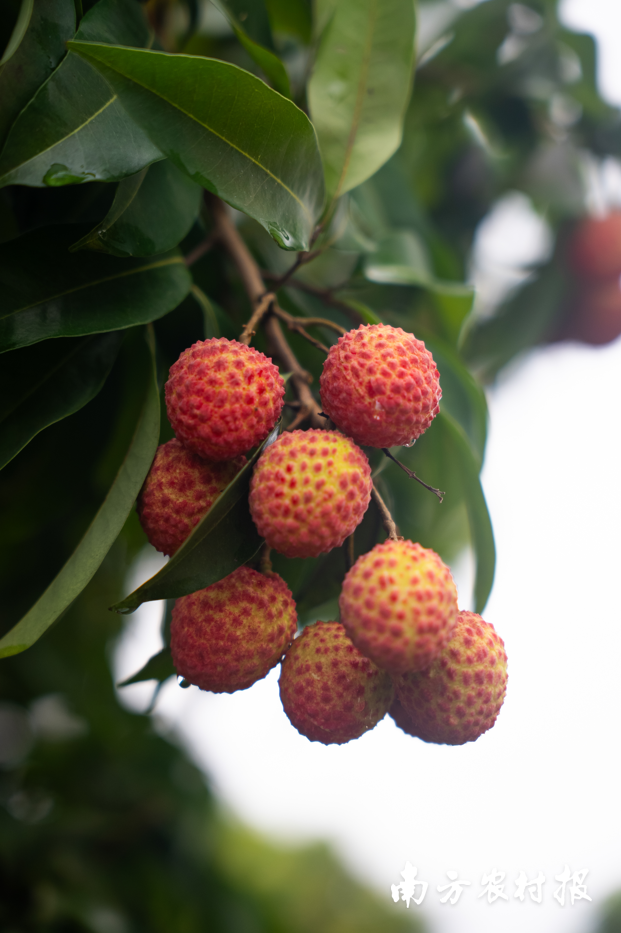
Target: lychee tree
x,y
182,179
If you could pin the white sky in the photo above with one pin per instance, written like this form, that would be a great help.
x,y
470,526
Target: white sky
x,y
540,790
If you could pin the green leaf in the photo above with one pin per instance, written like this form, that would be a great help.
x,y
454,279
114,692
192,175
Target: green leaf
x,y
35,49
74,129
211,327
107,523
76,294
42,384
360,87
196,110
222,541
481,534
255,36
159,667
462,396
151,213
401,259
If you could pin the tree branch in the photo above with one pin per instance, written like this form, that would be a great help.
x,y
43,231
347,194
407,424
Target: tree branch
x,y
412,474
387,519
263,307
255,289
326,295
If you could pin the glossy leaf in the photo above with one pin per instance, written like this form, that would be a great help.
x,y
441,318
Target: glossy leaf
x,y
74,129
151,213
42,384
159,667
256,38
196,110
73,294
360,87
107,523
481,534
36,48
222,541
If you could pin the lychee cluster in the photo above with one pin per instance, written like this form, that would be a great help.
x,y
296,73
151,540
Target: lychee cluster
x,y
401,644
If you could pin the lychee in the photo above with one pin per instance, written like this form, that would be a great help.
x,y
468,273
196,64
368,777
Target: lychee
x,y
458,697
380,386
594,249
399,605
179,490
229,635
223,398
309,491
329,690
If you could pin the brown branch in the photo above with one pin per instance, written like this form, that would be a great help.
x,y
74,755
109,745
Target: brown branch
x,y
309,408
301,260
326,295
387,519
311,321
255,289
262,308
413,475
203,247
296,325
348,551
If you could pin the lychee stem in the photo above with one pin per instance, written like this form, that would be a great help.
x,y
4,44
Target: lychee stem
x,y
264,306
387,520
255,289
265,564
413,475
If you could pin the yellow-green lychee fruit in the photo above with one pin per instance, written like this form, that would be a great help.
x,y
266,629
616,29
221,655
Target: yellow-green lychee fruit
x,y
309,491
223,398
380,386
329,690
230,634
399,605
179,490
458,697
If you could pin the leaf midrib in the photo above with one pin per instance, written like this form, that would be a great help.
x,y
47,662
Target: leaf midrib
x,y
204,125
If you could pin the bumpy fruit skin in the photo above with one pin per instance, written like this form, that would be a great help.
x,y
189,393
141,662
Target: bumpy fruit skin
x,y
229,635
380,386
594,250
330,692
459,696
309,491
223,398
399,605
179,490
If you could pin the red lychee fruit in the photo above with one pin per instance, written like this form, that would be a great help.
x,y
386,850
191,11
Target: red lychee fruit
x,y
458,697
308,492
329,690
229,635
399,605
595,316
380,386
179,490
594,249
223,398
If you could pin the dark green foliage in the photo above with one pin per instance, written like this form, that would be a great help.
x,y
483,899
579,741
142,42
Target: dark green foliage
x,y
113,261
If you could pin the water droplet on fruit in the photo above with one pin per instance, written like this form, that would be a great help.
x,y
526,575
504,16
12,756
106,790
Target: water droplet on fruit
x,y
410,443
182,682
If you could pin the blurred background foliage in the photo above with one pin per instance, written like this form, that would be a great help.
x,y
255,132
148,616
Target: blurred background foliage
x,y
107,826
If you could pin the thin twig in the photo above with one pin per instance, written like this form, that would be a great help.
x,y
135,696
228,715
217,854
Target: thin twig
x,y
296,325
301,260
309,408
264,305
310,321
325,295
387,519
203,247
413,475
